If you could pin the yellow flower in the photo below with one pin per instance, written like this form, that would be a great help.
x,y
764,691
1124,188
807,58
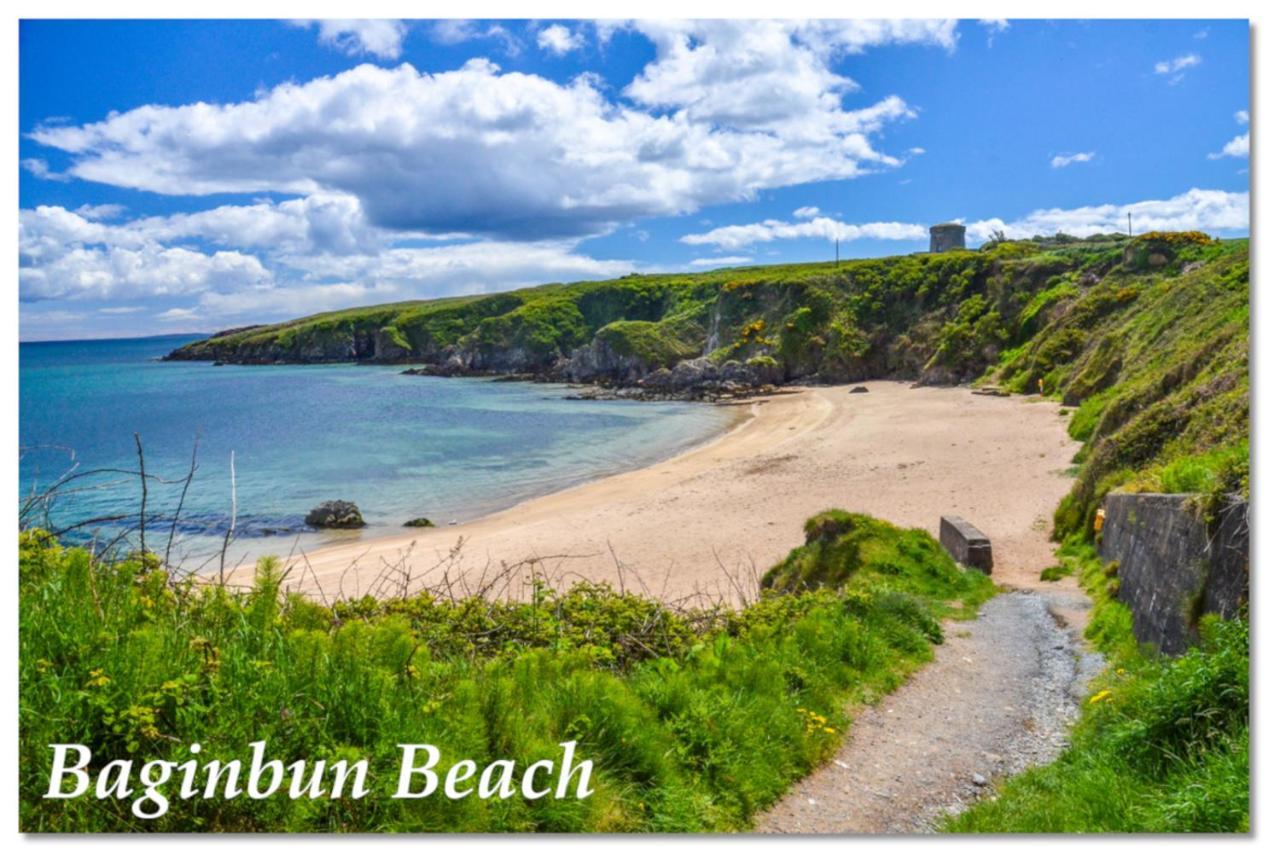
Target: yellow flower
x,y
1099,696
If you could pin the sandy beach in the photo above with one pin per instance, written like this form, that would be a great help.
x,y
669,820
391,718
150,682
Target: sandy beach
x,y
704,524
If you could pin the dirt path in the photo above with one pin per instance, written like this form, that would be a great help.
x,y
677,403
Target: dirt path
x,y
997,698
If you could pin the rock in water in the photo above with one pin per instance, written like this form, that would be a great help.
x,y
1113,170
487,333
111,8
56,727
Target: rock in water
x,y
420,522
335,514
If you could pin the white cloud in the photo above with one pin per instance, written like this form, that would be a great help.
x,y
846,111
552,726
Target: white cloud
x,y
994,26
1242,117
100,211
1209,210
559,39
724,261
308,255
1176,66
1070,159
774,75
516,156
738,236
116,273
381,37
805,212
456,31
40,168
1237,147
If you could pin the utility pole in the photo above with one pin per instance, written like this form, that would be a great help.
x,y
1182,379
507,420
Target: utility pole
x,y
837,250
1131,223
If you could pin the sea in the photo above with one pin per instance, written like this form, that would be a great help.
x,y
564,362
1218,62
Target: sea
x,y
399,446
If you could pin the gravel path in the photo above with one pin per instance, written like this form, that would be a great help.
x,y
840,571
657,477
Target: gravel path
x,y
997,698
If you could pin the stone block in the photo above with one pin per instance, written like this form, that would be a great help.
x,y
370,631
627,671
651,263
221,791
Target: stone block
x,y
969,546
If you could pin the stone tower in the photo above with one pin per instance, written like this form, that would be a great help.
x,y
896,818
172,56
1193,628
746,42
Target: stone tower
x,y
948,235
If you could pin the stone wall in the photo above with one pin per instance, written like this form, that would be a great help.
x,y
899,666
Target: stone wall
x,y
1173,566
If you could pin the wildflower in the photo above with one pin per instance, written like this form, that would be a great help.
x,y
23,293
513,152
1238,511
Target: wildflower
x,y
97,678
1100,696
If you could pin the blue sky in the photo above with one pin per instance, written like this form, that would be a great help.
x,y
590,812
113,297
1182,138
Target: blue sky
x,y
189,176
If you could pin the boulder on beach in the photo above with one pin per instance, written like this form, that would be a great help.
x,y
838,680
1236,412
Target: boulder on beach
x,y
419,522
335,514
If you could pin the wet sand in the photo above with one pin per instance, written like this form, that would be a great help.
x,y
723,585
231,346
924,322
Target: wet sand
x,y
705,524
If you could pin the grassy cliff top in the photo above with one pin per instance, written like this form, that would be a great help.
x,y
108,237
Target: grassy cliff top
x,y
1148,336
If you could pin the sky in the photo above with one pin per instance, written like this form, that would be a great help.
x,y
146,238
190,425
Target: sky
x,y
184,176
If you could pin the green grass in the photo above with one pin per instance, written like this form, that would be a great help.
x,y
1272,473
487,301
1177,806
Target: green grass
x,y
694,720
1163,744
1155,354
885,316
697,722
1157,360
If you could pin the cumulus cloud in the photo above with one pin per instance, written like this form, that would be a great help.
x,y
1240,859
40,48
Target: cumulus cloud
x,y
389,183
512,156
1209,210
558,39
236,264
773,75
1063,161
381,37
805,212
738,236
1237,147
1242,117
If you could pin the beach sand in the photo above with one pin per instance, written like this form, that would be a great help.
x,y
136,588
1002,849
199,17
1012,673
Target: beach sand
x,y
703,526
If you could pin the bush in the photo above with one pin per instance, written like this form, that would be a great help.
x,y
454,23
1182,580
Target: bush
x,y
695,720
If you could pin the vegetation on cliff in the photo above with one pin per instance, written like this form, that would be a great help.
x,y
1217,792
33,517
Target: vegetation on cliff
x,y
695,719
1156,355
903,316
1148,338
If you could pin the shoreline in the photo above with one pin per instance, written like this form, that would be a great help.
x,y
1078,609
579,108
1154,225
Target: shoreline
x,y
702,526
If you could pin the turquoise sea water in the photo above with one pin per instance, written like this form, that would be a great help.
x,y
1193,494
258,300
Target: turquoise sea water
x,y
400,446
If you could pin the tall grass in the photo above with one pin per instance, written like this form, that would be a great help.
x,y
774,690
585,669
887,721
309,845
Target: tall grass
x,y
1162,746
695,720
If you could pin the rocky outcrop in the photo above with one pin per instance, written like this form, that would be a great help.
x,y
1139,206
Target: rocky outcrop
x,y
335,514
599,362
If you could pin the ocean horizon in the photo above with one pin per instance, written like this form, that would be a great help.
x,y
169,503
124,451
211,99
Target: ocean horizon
x,y
399,446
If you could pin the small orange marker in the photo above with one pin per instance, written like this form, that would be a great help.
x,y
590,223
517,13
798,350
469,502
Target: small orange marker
x,y
1098,518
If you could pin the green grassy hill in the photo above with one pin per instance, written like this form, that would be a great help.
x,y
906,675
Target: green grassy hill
x,y
700,720
945,316
1149,337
